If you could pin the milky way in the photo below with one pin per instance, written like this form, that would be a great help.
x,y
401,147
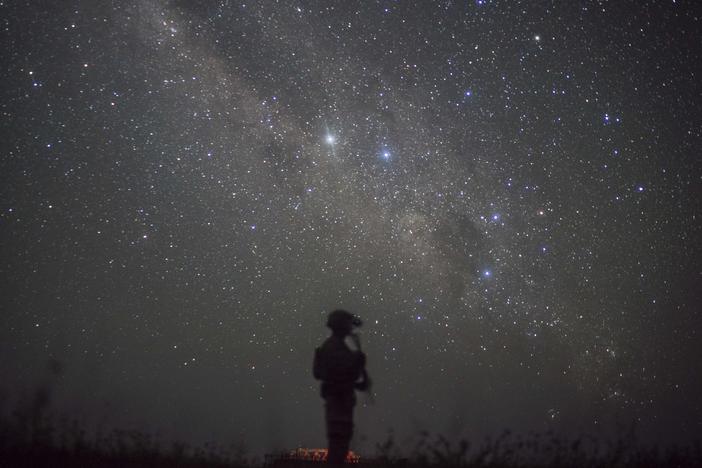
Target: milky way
x,y
506,192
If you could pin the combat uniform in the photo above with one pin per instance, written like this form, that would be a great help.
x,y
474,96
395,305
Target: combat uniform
x,y
338,367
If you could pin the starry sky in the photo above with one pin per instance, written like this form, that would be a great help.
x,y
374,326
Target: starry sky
x,y
506,192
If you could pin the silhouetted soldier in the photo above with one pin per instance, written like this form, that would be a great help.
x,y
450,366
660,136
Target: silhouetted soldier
x,y
342,371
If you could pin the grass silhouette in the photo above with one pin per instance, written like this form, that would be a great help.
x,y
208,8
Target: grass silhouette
x,y
538,450
32,437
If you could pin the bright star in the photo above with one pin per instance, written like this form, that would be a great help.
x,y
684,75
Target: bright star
x,y
330,139
611,119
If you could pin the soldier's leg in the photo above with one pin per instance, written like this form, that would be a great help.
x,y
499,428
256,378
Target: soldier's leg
x,y
337,451
339,415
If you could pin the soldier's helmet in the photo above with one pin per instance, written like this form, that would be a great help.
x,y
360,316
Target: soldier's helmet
x,y
342,320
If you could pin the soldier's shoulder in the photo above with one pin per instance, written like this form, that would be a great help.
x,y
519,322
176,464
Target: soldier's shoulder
x,y
328,342
334,345
326,345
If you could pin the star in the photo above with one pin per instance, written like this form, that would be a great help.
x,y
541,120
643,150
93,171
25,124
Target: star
x,y
459,174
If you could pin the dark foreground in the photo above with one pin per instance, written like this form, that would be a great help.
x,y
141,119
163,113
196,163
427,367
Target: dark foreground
x,y
131,449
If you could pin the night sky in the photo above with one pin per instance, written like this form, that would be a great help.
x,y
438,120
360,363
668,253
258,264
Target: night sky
x,y
508,193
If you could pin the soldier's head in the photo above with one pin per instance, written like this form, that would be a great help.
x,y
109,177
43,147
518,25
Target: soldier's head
x,y
342,322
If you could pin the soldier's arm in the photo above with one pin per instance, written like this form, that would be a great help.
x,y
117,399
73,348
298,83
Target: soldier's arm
x,y
317,367
361,359
364,383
